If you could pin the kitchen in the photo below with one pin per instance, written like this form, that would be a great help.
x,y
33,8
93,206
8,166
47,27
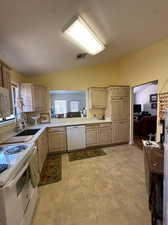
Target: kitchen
x,y
59,135
109,183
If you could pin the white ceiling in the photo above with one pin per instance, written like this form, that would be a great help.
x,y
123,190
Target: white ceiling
x,y
141,88
31,39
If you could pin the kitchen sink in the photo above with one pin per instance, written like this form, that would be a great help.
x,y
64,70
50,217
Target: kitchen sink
x,y
28,132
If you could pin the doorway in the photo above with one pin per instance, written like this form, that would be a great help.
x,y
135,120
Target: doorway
x,y
144,112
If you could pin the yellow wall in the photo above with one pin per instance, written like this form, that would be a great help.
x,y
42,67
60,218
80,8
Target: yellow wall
x,y
101,75
80,79
146,65
17,77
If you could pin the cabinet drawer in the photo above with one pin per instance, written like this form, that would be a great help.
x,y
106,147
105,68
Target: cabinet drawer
x,y
59,129
105,125
92,126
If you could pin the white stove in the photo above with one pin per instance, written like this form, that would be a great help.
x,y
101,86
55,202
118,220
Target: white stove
x,y
12,160
18,196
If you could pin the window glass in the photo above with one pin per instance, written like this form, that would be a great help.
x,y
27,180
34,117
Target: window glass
x,y
74,106
68,103
60,107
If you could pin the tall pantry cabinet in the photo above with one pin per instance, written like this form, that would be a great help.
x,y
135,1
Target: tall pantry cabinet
x,y
118,110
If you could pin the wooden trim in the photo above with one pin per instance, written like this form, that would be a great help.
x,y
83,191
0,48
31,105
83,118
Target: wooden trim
x,y
112,86
3,63
145,83
119,86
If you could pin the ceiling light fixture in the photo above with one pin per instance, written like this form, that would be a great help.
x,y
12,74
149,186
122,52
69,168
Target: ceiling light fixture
x,y
81,33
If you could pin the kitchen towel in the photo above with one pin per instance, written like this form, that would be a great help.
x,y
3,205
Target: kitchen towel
x,y
34,172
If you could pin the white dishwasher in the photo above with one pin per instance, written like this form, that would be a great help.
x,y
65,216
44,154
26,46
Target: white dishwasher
x,y
76,138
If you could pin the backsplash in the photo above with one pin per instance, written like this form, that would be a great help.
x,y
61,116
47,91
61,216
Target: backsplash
x,y
7,131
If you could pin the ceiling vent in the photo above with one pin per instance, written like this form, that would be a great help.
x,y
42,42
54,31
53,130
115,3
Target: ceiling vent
x,y
81,56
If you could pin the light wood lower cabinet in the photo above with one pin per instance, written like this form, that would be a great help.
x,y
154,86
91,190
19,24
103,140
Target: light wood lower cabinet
x,y
92,136
57,139
105,135
42,149
98,135
120,132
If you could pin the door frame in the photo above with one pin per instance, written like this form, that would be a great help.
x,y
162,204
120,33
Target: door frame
x,y
131,141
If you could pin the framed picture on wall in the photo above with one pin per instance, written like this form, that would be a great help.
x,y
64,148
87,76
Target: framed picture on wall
x,y
154,105
153,98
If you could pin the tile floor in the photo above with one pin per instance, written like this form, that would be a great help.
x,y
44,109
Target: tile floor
x,y
106,190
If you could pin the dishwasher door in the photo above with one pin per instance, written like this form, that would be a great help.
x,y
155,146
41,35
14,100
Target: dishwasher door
x,y
76,138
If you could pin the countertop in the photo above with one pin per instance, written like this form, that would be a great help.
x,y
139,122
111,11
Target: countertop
x,y
155,158
58,123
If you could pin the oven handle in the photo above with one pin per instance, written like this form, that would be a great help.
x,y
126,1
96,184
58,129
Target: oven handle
x,y
16,178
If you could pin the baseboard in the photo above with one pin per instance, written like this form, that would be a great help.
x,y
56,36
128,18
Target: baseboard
x,y
131,142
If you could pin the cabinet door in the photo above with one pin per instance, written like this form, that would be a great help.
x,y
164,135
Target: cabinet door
x,y
125,109
116,109
6,83
97,97
42,149
105,135
120,132
27,93
92,137
34,97
57,141
124,131
120,109
116,137
120,91
37,98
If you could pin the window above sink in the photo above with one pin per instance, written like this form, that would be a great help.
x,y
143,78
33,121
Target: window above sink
x,y
68,104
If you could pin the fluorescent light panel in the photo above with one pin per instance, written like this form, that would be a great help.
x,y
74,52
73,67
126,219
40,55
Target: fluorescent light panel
x,y
84,37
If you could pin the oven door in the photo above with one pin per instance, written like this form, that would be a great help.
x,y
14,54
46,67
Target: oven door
x,y
17,195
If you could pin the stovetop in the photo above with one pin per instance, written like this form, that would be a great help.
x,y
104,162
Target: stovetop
x,y
15,149
3,167
13,157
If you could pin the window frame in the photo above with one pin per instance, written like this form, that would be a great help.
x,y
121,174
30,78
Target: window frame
x,y
6,120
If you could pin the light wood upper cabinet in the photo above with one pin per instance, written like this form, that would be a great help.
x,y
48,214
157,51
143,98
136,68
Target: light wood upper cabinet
x,y
5,82
28,94
42,149
57,139
119,91
120,132
97,97
119,98
120,109
34,97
